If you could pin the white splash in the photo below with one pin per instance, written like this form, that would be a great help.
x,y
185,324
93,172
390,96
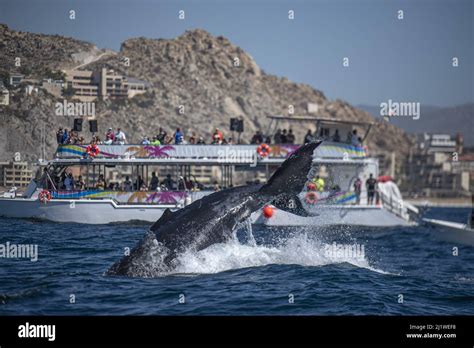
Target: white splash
x,y
297,250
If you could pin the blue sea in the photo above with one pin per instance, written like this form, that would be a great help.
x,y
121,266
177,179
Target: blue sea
x,y
264,271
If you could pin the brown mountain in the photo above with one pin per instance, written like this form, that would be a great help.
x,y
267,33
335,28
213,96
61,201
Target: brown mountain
x,y
39,53
196,70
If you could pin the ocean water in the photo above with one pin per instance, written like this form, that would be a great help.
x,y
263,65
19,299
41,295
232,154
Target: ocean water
x,y
263,271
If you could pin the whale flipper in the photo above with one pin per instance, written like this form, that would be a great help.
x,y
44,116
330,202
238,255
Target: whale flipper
x,y
292,175
291,204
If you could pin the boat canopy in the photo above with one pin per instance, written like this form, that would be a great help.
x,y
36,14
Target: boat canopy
x,y
321,124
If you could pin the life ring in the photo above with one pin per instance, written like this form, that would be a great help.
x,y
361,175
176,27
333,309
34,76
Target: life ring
x,y
311,197
92,150
44,196
263,150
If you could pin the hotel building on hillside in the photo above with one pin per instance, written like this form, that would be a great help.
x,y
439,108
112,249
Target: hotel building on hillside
x,y
102,84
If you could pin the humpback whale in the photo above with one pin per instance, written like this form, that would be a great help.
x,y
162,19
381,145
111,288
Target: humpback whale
x,y
213,218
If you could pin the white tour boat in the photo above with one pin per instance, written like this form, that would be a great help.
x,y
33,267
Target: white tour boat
x,y
338,163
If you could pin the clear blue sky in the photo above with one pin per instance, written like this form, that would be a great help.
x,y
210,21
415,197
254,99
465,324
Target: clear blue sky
x,y
407,60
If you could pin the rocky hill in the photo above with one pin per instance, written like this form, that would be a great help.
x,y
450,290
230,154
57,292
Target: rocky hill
x,y
39,53
212,78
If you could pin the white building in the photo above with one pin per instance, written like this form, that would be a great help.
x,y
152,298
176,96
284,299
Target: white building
x,y
4,95
16,79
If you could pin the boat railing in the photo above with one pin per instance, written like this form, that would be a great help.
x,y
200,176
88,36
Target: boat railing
x,y
393,205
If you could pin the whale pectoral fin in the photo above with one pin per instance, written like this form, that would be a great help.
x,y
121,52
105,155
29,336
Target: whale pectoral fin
x,y
291,204
293,173
165,217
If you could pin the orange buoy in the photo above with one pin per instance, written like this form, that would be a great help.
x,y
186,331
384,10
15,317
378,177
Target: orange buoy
x,y
268,211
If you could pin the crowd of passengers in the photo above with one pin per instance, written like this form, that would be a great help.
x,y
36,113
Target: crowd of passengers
x,y
65,136
67,182
118,137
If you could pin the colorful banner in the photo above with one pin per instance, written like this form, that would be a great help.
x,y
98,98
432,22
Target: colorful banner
x,y
339,151
331,197
225,152
144,197
341,197
175,197
173,151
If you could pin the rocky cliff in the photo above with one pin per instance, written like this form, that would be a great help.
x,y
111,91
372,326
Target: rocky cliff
x,y
209,77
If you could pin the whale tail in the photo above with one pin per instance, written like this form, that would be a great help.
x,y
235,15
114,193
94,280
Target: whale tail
x,y
292,175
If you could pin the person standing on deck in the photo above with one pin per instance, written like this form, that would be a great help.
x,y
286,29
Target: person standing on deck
x,y
59,135
217,136
308,137
355,138
155,141
154,182
283,137
178,136
69,182
169,183
80,184
161,136
358,189
109,137
336,137
370,186
319,183
277,137
120,137
127,184
65,139
138,183
100,185
290,138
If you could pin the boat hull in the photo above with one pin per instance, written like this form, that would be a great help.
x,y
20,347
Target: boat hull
x,y
330,215
452,231
104,211
79,211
